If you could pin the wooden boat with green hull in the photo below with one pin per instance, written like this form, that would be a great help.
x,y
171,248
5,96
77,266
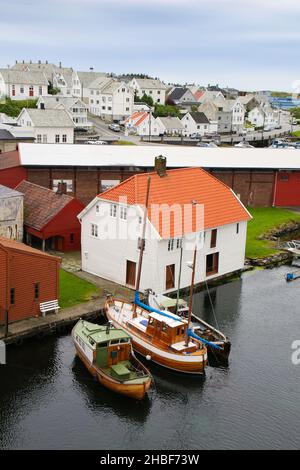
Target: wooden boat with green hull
x,y
107,354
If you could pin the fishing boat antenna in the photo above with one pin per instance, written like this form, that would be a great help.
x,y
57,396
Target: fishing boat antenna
x,y
179,278
142,243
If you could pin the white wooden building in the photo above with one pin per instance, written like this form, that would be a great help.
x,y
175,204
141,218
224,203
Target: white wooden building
x,y
197,123
195,206
110,99
22,85
150,87
142,123
76,108
50,126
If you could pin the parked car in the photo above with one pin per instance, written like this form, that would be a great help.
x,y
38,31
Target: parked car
x,y
195,135
207,144
278,126
244,145
97,142
115,127
243,132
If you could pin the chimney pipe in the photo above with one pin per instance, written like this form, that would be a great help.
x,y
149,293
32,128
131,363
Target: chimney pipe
x,y
160,166
61,187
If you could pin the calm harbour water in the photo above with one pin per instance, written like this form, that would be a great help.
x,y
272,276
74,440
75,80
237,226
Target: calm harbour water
x,y
48,400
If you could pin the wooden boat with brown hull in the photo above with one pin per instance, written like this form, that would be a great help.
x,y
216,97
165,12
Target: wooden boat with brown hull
x,y
107,354
161,339
198,325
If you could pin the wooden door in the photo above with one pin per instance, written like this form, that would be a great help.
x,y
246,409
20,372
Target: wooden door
x,y
170,276
130,273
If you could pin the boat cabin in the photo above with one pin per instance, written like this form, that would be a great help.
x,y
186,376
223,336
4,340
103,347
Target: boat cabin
x,y
111,348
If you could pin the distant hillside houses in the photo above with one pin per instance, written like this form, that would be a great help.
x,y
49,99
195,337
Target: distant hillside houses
x,y
22,85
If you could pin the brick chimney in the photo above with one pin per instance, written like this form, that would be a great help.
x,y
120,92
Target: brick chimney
x,y
61,188
160,166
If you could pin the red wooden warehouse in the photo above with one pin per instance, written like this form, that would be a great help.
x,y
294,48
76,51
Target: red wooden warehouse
x,y
50,217
28,278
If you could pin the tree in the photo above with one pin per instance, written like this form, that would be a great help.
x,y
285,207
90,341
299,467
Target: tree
x,y
161,110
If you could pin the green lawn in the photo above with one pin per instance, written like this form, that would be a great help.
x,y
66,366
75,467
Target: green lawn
x,y
124,142
264,219
296,133
74,290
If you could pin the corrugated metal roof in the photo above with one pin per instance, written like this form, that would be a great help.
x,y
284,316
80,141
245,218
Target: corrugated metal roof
x,y
143,156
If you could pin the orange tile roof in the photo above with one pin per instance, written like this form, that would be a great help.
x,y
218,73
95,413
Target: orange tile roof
x,y
9,244
182,186
141,119
198,94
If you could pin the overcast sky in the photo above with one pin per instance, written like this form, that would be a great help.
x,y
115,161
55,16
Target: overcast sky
x,y
251,44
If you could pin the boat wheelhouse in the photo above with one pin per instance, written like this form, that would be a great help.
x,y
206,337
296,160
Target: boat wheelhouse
x,y
107,354
159,336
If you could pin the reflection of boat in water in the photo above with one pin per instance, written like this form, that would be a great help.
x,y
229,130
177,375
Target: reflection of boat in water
x,y
107,354
198,326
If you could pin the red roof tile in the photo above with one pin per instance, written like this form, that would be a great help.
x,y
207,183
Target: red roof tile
x,y
198,94
181,187
41,204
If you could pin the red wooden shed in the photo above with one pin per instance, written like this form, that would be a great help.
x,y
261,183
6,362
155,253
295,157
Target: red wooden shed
x,y
28,278
50,218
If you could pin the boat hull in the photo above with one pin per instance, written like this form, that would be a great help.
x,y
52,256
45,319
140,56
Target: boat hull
x,y
190,364
137,391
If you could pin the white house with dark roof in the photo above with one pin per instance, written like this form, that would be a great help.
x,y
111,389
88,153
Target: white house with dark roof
x,y
50,126
110,99
77,109
22,85
150,87
197,123
181,96
11,213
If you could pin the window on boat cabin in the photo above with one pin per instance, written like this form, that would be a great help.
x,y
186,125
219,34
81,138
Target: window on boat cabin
x,y
237,228
164,328
36,290
123,213
213,240
94,230
103,345
151,321
113,210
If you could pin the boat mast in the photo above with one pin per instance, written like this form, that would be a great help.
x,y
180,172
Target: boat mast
x,y
191,294
179,278
142,242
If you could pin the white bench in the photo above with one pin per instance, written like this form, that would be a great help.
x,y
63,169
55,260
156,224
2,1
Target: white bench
x,y
50,306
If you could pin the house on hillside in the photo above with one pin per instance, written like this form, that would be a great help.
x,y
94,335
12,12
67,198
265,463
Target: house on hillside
x,y
11,213
110,99
51,126
229,114
186,206
22,85
197,123
50,217
28,278
264,116
82,82
181,96
76,108
150,87
141,123
170,126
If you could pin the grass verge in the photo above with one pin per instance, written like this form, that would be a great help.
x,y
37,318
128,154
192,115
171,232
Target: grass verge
x,y
73,290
